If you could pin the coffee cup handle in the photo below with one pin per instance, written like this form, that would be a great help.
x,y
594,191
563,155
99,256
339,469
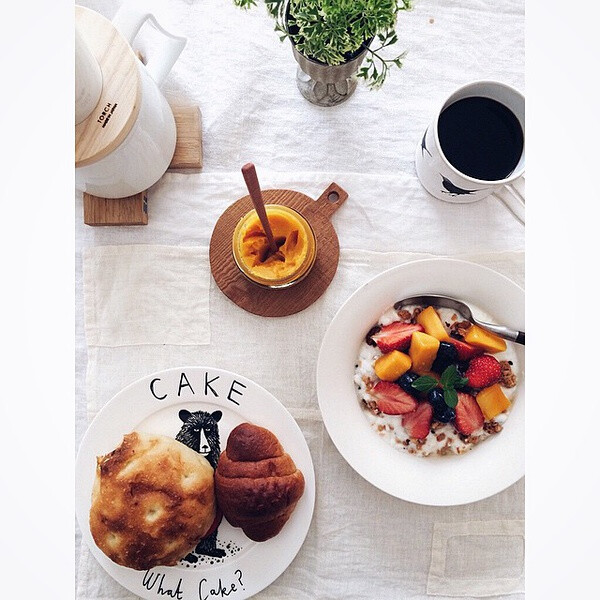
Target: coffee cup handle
x,y
513,196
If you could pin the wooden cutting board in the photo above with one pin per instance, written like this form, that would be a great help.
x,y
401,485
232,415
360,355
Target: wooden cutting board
x,y
286,301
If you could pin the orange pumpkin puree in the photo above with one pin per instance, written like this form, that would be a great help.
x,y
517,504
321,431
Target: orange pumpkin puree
x,y
293,236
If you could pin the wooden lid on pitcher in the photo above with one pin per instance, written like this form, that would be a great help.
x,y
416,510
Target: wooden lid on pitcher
x,y
111,120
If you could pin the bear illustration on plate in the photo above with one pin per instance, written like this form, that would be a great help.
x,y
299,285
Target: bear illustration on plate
x,y
200,432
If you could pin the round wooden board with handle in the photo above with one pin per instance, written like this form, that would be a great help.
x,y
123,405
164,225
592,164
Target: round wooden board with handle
x,y
286,301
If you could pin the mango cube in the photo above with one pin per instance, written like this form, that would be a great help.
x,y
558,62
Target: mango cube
x,y
492,401
432,324
481,338
423,349
392,365
431,374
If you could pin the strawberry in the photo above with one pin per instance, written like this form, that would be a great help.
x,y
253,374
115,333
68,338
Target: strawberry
x,y
392,399
418,422
483,371
466,351
395,336
468,414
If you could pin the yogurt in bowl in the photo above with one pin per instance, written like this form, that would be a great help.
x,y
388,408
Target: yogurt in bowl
x,y
444,397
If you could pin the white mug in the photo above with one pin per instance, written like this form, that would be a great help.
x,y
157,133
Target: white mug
x,y
444,181
142,158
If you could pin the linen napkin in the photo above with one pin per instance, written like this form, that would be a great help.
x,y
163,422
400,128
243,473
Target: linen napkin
x,y
145,294
477,558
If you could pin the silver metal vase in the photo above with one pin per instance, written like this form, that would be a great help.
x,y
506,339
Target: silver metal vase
x,y
326,85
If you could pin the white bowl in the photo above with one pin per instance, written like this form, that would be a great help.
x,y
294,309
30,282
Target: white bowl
x,y
489,467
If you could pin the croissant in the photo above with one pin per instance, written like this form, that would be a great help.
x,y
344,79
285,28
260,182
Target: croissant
x,y
257,484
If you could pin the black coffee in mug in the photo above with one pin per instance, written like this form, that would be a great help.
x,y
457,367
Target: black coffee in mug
x,y
481,138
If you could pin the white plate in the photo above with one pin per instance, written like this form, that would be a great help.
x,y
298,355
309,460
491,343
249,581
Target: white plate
x,y
152,404
488,468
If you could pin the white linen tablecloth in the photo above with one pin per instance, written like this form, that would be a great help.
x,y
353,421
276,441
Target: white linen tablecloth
x,y
243,79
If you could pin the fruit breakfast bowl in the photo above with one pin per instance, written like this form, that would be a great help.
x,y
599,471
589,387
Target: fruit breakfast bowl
x,y
415,408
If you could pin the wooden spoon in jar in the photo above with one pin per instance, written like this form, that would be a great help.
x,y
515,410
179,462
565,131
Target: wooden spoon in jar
x,y
251,179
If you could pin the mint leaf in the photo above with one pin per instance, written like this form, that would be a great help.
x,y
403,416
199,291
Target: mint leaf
x,y
450,376
450,380
462,382
450,397
424,383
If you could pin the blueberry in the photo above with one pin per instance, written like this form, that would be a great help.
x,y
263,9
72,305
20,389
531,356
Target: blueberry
x,y
372,331
441,411
405,382
447,354
439,365
436,399
462,366
445,415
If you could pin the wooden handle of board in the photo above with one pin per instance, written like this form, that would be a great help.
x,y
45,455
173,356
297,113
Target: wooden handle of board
x,y
329,201
251,179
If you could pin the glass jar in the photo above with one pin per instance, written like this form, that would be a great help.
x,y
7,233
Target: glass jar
x,y
297,247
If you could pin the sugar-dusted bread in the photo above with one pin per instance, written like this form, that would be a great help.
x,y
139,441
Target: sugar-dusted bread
x,y
153,500
256,482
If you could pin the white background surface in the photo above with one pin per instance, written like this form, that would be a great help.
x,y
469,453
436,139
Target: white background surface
x,y
36,54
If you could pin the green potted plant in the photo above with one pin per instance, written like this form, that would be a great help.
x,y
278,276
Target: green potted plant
x,y
333,41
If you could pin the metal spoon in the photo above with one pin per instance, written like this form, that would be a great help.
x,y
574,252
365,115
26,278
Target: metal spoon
x,y
446,302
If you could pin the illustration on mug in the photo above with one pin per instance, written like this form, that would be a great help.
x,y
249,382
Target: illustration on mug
x,y
454,190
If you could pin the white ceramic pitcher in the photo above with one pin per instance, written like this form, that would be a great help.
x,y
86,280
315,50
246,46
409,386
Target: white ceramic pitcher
x,y
126,141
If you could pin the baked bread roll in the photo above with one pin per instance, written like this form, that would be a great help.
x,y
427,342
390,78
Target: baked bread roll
x,y
257,484
153,500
